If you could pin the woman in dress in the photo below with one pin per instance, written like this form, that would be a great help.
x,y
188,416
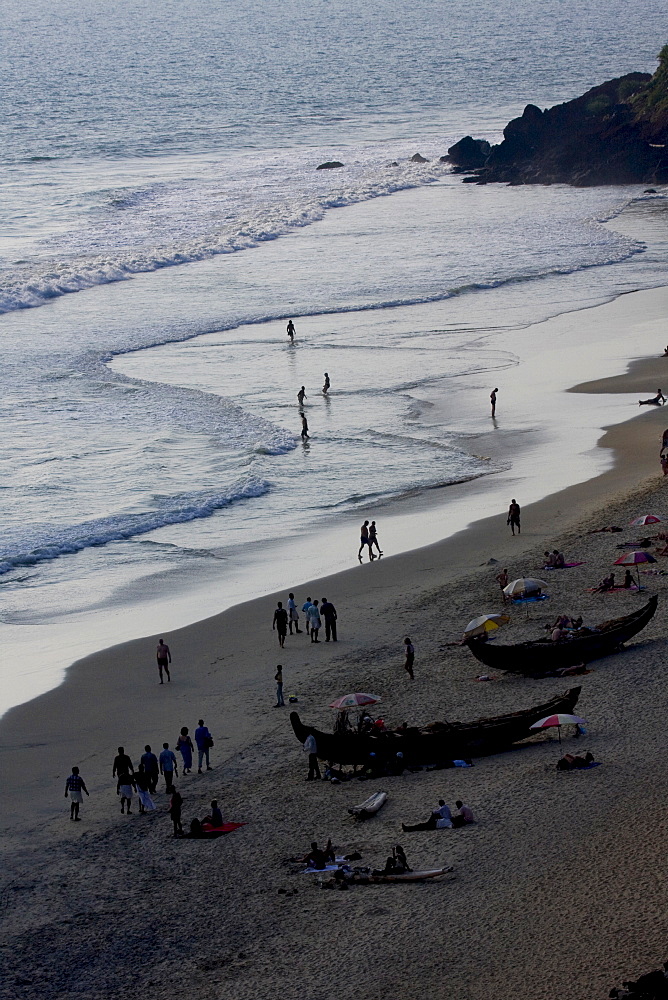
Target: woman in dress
x,y
313,615
185,745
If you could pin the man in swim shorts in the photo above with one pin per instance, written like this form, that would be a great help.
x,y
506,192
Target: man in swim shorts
x,y
514,517
164,658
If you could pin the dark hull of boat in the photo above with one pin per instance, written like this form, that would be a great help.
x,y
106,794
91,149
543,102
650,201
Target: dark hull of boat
x,y
438,744
542,656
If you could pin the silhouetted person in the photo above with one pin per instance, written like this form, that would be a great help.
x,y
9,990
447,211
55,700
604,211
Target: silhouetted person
x,y
291,331
492,399
325,388
280,623
164,658
514,517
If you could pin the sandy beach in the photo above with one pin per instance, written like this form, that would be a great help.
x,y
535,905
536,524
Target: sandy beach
x,y
556,891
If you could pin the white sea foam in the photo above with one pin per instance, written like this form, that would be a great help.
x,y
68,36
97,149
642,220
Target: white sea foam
x,y
39,544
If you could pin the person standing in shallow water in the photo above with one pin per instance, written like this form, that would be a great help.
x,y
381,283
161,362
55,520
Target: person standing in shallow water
x,y
164,658
492,399
291,331
325,388
305,433
301,396
74,786
514,516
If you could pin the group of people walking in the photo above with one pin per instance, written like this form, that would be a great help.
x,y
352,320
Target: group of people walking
x,y
142,780
315,613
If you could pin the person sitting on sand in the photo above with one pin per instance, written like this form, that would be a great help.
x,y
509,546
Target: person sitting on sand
x,y
196,830
628,580
549,560
215,817
464,815
606,584
440,819
396,864
657,400
315,858
559,561
558,634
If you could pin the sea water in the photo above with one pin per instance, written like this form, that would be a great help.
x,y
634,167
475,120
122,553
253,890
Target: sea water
x,y
162,217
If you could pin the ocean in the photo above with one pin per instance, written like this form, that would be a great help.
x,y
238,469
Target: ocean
x,y
162,218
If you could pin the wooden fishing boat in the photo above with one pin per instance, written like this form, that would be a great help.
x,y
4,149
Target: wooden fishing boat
x,y
411,876
437,743
369,807
539,657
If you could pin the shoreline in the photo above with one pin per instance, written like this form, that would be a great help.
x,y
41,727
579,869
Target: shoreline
x,y
591,836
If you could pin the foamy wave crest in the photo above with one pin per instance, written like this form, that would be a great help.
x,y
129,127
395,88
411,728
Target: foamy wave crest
x,y
53,542
228,208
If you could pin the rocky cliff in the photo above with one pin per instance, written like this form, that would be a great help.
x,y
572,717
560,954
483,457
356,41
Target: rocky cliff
x,y
616,133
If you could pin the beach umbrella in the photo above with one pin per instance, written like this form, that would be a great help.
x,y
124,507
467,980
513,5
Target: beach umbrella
x,y
640,522
485,623
525,585
558,720
354,701
635,559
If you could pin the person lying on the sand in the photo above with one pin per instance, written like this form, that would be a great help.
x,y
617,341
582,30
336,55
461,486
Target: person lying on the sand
x,y
572,762
657,400
611,527
440,819
580,668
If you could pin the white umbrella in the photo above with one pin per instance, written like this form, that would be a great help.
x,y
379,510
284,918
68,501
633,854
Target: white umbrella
x,y
558,720
525,585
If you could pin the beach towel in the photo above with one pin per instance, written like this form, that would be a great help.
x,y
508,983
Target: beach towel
x,y
530,600
218,831
633,588
587,767
319,871
565,566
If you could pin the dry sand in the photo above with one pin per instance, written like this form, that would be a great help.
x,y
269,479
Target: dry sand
x,y
557,891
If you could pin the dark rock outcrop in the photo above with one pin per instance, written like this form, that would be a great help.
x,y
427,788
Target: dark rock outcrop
x,y
329,165
468,153
616,133
417,158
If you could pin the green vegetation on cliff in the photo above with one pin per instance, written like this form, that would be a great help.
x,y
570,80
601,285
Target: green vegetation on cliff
x,y
651,103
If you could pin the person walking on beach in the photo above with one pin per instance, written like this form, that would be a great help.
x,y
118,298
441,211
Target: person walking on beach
x,y
293,615
74,786
122,763
291,331
314,621
301,396
514,516
373,538
502,580
204,742
328,612
280,623
364,542
305,606
305,433
151,767
143,785
492,399
325,388
124,788
311,748
409,651
175,807
168,767
184,745
278,677
164,658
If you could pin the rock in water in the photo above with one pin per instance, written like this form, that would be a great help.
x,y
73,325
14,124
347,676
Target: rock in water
x,y
329,165
468,152
416,158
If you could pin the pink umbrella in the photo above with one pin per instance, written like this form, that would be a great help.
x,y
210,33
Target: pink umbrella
x,y
354,700
640,522
634,559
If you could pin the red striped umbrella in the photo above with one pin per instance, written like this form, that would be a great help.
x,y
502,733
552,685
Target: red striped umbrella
x,y
640,522
634,559
355,700
558,720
